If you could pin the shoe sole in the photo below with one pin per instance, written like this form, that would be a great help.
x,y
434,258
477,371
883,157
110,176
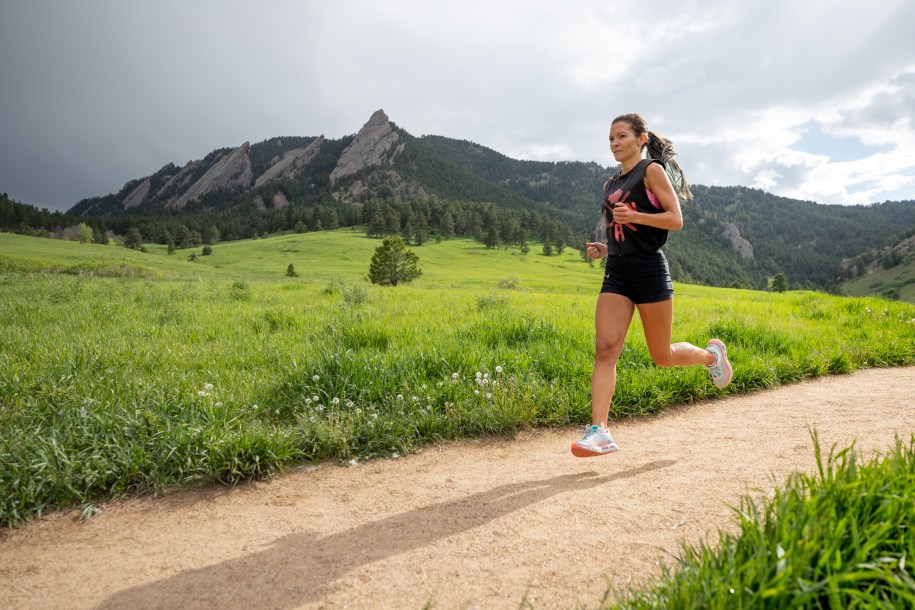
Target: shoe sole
x,y
581,452
727,364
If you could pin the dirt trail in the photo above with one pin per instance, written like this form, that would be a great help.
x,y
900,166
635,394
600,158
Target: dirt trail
x,y
478,524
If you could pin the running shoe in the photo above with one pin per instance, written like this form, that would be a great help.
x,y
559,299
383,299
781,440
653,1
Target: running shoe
x,y
720,370
597,441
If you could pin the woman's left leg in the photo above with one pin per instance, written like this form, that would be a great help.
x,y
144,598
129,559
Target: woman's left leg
x,y
657,321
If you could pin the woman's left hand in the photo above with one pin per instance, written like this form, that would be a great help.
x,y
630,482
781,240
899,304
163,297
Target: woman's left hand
x,y
623,214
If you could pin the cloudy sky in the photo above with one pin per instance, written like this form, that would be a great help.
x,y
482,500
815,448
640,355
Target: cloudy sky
x,y
808,99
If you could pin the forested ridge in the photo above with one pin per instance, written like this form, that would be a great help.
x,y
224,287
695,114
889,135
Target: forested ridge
x,y
437,188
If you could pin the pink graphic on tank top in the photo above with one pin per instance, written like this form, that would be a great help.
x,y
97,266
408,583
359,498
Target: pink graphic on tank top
x,y
613,200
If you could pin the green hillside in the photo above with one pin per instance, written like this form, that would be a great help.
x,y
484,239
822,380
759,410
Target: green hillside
x,y
126,372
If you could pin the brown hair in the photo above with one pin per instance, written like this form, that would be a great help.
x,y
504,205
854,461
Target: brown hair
x,y
661,149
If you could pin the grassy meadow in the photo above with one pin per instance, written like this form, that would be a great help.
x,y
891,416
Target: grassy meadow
x,y
128,372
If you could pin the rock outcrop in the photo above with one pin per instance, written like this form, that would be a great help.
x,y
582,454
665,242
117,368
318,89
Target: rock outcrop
x,y
230,172
743,247
376,143
137,195
179,180
290,163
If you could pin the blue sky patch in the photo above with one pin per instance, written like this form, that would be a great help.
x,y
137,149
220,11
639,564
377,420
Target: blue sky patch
x,y
817,142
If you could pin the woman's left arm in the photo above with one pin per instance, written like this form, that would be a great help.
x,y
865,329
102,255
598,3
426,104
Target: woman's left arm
x,y
657,182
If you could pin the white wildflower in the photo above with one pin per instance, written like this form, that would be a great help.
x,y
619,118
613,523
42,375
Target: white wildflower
x,y
488,396
395,455
254,407
485,375
486,382
315,379
374,416
476,392
335,400
218,404
208,386
353,462
315,398
498,369
454,376
400,397
307,401
440,384
201,393
479,374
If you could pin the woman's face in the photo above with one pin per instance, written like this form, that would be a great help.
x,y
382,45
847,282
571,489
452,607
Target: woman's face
x,y
623,142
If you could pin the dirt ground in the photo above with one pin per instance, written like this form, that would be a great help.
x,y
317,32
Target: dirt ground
x,y
472,524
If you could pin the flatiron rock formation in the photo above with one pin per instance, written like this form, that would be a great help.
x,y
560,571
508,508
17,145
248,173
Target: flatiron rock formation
x,y
230,172
290,163
376,143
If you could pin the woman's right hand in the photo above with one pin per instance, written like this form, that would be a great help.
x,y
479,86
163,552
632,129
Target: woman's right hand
x,y
596,249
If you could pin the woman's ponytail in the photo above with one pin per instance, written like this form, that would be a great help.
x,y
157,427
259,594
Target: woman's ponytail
x,y
662,149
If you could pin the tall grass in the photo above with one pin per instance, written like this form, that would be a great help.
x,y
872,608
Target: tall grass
x,y
839,538
198,373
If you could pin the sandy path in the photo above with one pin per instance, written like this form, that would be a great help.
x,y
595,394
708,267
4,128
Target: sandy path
x,y
476,524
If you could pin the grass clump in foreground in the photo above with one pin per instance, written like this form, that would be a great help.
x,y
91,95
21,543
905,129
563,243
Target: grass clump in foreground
x,y
839,538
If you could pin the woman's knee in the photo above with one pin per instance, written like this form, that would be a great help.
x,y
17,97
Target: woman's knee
x,y
606,350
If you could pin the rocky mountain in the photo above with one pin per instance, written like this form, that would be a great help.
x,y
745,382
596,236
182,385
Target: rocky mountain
x,y
736,236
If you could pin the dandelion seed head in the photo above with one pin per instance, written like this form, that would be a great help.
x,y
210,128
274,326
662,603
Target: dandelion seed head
x,y
440,384
315,378
374,416
254,407
400,397
208,386
218,404
201,393
335,400
315,398
498,369
476,392
486,382
485,375
307,401
488,395
479,374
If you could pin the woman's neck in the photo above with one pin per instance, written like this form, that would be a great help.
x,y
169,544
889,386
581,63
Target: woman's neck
x,y
626,166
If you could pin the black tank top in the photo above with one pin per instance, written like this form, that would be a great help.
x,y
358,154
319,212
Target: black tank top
x,y
629,189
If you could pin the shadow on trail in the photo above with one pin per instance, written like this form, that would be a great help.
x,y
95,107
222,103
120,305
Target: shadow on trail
x,y
301,568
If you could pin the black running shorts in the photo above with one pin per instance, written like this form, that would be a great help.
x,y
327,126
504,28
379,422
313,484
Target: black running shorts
x,y
642,278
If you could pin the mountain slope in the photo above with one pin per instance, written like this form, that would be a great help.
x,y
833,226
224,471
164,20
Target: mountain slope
x,y
733,236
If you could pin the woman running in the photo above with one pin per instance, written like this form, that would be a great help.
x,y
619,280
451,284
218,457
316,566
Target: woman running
x,y
640,206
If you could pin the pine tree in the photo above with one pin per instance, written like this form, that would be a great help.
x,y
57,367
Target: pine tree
x,y
133,239
392,263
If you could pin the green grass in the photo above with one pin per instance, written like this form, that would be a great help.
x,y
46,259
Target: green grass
x,y
104,375
839,538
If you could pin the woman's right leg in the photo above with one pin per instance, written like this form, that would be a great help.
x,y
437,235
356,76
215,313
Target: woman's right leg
x,y
611,322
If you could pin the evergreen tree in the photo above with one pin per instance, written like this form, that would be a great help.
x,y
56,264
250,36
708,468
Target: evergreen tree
x,y
392,263
547,249
779,283
290,271
447,226
492,238
133,239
